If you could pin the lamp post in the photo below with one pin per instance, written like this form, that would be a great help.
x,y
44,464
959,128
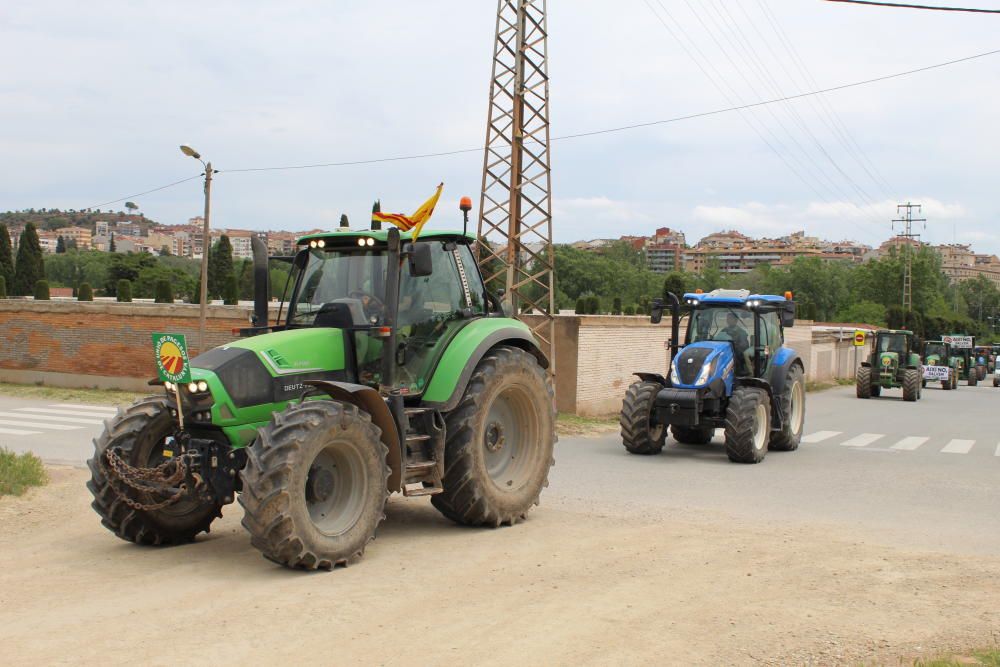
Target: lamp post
x,y
205,244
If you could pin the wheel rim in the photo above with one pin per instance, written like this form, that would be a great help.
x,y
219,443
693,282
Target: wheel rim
x,y
798,413
150,449
335,488
760,427
512,424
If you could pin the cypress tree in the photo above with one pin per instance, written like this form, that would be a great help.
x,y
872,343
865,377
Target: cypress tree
x,y
3,287
163,292
60,245
111,243
593,305
41,290
85,293
630,310
231,293
220,266
125,291
616,306
30,267
581,306
6,257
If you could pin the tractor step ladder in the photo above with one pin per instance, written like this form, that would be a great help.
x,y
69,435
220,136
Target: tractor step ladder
x,y
424,453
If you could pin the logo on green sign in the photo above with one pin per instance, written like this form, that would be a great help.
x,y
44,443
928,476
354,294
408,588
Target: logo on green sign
x,y
172,361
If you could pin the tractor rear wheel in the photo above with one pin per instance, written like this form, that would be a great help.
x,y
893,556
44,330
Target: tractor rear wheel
x,y
499,441
996,382
863,382
315,485
793,408
641,434
911,385
693,435
748,425
138,433
972,378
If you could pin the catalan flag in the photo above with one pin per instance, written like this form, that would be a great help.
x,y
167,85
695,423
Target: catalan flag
x,y
415,222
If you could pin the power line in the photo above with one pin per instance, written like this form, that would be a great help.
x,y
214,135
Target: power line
x,y
899,5
581,135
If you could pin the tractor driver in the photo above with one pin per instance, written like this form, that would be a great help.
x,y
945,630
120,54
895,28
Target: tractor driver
x,y
736,333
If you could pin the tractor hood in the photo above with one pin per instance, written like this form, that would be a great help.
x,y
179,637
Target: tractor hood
x,y
933,360
888,360
271,368
699,363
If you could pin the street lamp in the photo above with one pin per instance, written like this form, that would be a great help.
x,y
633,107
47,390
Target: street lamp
x,y
205,244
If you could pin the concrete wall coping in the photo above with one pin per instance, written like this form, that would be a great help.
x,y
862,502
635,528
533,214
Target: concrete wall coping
x,y
178,310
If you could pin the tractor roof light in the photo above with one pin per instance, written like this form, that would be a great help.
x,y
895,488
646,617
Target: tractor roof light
x,y
788,295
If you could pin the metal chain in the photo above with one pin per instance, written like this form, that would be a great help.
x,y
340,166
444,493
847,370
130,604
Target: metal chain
x,y
145,480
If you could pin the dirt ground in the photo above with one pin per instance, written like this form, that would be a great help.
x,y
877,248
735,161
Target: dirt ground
x,y
569,586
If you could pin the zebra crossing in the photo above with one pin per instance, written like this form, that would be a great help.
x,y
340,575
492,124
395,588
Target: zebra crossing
x,y
30,421
906,444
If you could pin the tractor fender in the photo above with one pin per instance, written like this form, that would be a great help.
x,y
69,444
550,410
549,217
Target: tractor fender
x,y
453,371
652,377
369,400
866,364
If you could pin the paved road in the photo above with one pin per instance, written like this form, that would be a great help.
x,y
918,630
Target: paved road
x,y
921,474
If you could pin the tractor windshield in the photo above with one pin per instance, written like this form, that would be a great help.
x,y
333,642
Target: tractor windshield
x,y
932,349
892,343
330,275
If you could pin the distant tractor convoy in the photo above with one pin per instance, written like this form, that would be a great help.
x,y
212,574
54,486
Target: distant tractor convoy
x,y
394,370
734,372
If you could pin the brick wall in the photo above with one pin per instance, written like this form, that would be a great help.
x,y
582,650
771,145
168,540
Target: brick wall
x,y
107,345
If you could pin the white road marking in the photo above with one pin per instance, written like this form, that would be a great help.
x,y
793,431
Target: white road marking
x,y
14,431
70,420
52,411
862,440
820,436
110,409
54,427
910,442
958,447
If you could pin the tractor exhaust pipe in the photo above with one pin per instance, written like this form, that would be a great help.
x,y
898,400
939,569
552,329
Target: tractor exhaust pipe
x,y
656,314
261,281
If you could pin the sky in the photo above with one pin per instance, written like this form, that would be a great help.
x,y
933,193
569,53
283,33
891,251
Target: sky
x,y
96,97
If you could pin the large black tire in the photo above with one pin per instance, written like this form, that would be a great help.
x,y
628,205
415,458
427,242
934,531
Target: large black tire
x,y
980,373
640,432
138,432
863,382
693,435
792,403
972,378
500,441
911,385
748,425
315,485
876,389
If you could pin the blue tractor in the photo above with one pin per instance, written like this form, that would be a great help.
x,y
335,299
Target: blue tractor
x,y
734,372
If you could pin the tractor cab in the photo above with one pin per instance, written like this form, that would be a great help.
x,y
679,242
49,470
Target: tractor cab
x,y
936,353
894,362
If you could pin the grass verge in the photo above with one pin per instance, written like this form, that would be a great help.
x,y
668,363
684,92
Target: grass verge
x,y
829,384
983,658
567,424
101,396
19,472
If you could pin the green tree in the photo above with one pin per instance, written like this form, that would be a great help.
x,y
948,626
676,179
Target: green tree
x,y
674,283
85,293
111,243
630,310
593,305
60,245
581,306
6,256
220,266
231,292
41,290
3,287
30,267
616,306
863,312
164,293
124,291
712,276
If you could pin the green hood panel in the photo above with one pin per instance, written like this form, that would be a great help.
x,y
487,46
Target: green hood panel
x,y
465,351
297,350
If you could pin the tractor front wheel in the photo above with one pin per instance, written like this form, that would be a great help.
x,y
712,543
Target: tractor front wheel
x,y
641,434
748,425
138,433
863,382
315,485
692,435
499,441
911,385
972,378
793,409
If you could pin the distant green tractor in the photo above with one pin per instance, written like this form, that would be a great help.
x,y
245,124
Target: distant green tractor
x,y
962,347
395,370
983,362
940,365
893,363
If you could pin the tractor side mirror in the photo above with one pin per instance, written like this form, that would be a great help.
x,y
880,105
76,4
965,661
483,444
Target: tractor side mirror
x,y
421,263
656,311
788,315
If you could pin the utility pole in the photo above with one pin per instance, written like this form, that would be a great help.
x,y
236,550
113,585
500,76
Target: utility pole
x,y
515,209
908,234
206,243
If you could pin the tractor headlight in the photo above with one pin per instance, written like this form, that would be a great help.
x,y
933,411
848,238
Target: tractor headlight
x,y
707,370
193,387
169,385
675,378
202,385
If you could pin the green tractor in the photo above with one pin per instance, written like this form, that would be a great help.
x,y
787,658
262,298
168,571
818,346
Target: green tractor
x,y
982,355
893,363
940,364
962,347
395,370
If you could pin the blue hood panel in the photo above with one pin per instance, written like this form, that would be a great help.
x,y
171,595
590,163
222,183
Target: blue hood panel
x,y
690,361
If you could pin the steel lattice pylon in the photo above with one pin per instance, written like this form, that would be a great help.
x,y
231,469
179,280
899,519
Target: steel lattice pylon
x,y
515,210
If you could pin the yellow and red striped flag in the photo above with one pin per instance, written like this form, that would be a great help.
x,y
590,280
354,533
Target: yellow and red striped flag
x,y
415,222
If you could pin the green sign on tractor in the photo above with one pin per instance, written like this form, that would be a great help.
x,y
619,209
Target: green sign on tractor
x,y
172,361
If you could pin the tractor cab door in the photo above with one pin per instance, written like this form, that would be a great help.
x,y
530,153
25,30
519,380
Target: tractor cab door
x,y
432,309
